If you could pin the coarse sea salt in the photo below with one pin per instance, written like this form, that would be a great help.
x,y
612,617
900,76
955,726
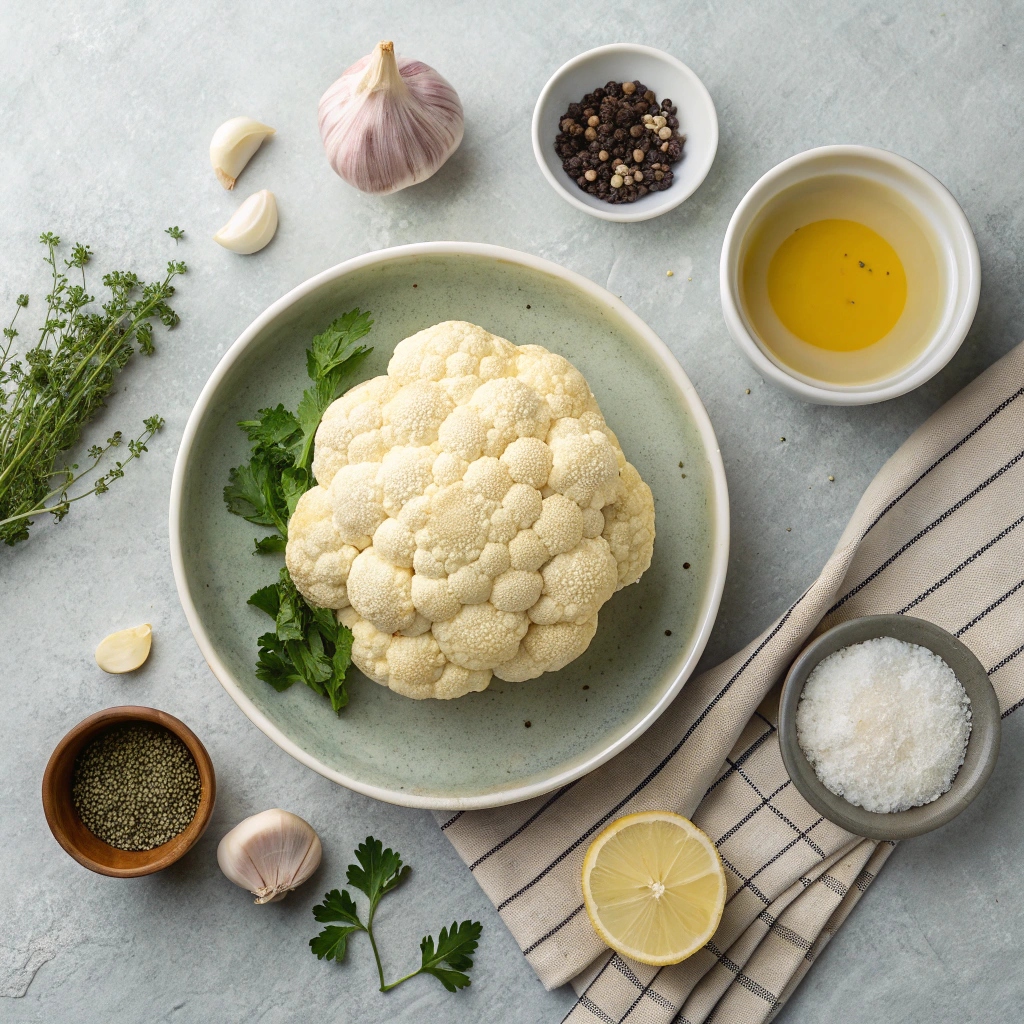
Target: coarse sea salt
x,y
885,724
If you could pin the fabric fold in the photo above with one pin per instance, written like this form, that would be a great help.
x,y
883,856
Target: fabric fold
x,y
938,534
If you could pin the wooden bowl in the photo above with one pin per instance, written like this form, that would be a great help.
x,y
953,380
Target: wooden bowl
x,y
63,817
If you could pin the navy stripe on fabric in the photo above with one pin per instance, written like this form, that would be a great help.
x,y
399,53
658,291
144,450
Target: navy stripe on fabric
x,y
1006,661
1010,711
735,765
767,802
452,820
834,884
558,927
747,882
991,608
942,458
758,990
921,533
728,964
661,765
589,1004
792,937
963,565
726,836
593,982
526,824
639,999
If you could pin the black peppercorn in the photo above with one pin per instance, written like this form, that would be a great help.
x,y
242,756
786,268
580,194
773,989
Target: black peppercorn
x,y
610,142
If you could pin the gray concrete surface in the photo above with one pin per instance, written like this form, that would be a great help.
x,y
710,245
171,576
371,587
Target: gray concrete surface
x,y
106,111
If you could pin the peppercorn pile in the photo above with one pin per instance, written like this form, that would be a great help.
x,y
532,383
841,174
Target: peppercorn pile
x,y
618,143
136,786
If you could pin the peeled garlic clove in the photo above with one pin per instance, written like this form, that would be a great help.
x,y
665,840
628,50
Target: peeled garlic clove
x,y
252,225
233,145
126,650
270,854
389,122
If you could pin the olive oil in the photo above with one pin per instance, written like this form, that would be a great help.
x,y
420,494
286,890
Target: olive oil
x,y
841,282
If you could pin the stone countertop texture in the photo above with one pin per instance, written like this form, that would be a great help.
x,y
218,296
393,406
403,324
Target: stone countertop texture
x,y
106,112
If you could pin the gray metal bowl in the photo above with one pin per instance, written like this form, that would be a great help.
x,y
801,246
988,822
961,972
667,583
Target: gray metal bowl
x,y
982,747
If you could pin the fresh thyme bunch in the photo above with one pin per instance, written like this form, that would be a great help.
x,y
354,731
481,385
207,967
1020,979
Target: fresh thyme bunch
x,y
50,393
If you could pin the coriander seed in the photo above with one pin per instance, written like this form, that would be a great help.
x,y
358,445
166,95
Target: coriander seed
x,y
136,786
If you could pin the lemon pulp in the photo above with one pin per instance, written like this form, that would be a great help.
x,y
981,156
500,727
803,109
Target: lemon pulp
x,y
837,284
654,887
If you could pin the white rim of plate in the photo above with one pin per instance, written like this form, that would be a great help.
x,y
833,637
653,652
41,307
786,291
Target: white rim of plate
x,y
719,558
632,213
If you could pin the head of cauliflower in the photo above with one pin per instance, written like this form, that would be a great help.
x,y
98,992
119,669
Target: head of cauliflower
x,y
472,513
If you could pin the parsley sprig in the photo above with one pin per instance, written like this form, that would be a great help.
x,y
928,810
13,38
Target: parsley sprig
x,y
50,393
378,872
308,645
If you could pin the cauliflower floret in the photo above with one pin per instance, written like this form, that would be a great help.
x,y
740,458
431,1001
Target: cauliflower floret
x,y
509,410
460,355
473,514
556,379
350,430
318,560
481,636
547,649
576,584
585,465
629,526
381,592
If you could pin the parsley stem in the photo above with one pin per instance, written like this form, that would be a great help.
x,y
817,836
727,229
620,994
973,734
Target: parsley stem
x,y
376,954
394,984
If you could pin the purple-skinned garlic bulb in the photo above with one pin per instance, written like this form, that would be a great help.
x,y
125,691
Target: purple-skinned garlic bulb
x,y
389,122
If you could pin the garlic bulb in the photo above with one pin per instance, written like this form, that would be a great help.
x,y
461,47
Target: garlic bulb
x,y
270,854
252,225
389,122
126,650
233,145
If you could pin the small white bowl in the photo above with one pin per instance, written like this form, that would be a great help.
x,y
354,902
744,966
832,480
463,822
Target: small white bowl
x,y
669,78
956,252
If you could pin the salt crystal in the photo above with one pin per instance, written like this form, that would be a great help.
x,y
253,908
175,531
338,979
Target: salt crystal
x,y
885,724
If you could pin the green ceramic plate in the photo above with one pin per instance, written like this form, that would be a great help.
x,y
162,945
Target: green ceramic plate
x,y
476,751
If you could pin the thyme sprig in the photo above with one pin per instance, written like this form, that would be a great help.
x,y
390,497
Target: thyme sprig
x,y
50,393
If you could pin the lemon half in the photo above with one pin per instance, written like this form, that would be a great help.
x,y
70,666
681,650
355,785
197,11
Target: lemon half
x,y
654,887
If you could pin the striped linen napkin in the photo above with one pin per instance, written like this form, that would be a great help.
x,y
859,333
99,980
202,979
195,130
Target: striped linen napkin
x,y
936,535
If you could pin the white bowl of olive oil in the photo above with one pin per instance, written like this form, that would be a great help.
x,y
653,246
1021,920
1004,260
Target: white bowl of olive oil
x,y
849,275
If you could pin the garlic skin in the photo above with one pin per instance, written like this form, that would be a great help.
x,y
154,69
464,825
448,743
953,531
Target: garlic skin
x,y
126,650
270,854
389,122
252,225
233,145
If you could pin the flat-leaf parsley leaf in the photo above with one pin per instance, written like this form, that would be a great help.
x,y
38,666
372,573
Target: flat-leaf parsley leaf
x,y
308,644
377,872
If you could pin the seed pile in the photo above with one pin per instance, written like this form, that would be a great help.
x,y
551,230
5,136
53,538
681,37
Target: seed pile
x,y
136,786
618,143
